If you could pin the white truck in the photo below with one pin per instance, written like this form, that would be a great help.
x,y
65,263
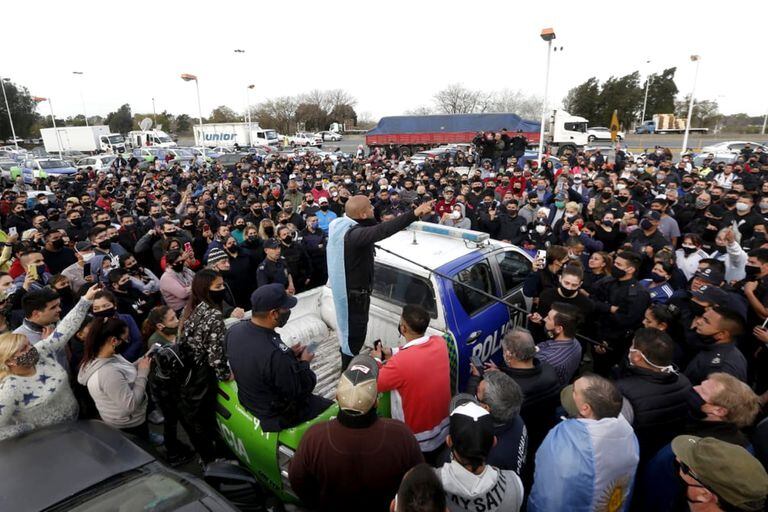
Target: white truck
x,y
564,131
150,138
88,139
228,134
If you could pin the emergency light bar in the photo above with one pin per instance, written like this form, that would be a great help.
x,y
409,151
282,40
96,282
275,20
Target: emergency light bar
x,y
458,233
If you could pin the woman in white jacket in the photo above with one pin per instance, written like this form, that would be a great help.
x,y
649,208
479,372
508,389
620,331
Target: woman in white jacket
x,y
730,252
690,254
117,386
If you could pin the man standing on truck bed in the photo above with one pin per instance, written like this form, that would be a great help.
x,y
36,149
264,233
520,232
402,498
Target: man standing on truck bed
x,y
350,266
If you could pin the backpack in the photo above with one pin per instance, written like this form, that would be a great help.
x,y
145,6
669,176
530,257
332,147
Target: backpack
x,y
169,364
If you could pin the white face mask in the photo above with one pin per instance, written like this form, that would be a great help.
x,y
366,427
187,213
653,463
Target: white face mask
x,y
742,207
456,215
87,256
541,229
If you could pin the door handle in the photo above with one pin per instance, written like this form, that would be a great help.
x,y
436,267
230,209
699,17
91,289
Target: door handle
x,y
473,336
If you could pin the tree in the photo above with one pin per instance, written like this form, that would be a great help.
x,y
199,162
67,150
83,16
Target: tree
x,y
457,99
224,114
23,111
422,110
622,94
706,113
661,93
183,124
312,116
343,113
120,121
506,100
584,100
278,113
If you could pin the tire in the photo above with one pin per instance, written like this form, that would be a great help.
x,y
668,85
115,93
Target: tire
x,y
591,138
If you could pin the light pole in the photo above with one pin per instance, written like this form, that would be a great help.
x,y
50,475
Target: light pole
x,y
82,99
188,78
10,119
547,34
248,104
648,81
765,121
154,113
696,59
39,99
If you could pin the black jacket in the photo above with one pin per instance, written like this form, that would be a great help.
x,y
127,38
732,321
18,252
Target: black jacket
x,y
631,299
359,248
659,404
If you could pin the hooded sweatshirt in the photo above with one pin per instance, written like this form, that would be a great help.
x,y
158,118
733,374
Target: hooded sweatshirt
x,y
490,491
118,388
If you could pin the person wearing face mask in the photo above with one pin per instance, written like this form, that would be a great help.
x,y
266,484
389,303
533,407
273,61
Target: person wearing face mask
x,y
176,281
296,259
658,285
657,393
315,242
56,255
274,381
35,275
726,249
620,303
117,386
717,329
546,277
34,386
239,277
324,216
105,305
746,217
201,347
561,350
690,253
567,291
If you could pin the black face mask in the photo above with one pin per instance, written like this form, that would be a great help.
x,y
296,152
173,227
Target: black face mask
x,y
694,401
565,292
217,296
752,271
105,313
689,250
178,266
729,201
282,317
76,222
606,195
105,244
618,273
58,244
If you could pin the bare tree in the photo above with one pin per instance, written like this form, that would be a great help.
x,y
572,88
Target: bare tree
x,y
340,97
422,110
524,105
457,99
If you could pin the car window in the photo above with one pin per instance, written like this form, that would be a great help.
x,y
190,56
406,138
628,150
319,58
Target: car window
x,y
736,147
156,492
477,276
514,269
401,287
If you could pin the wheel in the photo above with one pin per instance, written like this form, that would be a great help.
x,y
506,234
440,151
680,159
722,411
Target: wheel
x,y
591,138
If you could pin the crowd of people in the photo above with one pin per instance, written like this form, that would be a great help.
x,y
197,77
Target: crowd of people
x,y
640,382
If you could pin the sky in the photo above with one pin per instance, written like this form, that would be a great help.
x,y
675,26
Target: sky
x,y
392,56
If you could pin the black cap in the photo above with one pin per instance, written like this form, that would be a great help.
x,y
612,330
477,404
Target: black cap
x,y
711,294
710,275
271,296
653,215
271,243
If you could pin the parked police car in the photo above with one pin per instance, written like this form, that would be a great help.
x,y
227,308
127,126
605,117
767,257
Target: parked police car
x,y
426,264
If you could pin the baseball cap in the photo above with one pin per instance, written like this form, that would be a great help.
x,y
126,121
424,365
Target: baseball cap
x,y
652,215
216,255
271,243
711,294
357,390
323,200
726,469
271,296
710,275
471,427
84,245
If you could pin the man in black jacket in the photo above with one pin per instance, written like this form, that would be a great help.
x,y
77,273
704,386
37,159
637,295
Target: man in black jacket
x,y
358,251
507,227
657,393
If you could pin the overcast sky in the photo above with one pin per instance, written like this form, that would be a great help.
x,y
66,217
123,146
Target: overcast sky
x,y
391,55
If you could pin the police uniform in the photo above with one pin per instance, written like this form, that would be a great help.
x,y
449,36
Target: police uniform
x,y
717,358
273,384
270,272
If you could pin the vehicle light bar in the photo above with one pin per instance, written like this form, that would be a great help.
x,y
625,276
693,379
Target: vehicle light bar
x,y
451,232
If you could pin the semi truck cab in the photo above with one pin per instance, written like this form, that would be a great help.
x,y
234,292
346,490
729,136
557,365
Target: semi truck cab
x,y
440,260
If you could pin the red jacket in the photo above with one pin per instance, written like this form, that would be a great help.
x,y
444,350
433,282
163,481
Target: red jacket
x,y
418,374
444,206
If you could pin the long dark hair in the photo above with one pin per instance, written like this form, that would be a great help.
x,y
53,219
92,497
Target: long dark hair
x,y
154,317
201,292
101,329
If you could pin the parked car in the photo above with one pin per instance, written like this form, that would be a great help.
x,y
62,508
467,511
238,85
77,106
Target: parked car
x,y
303,139
329,135
33,168
728,151
230,160
90,466
601,133
97,162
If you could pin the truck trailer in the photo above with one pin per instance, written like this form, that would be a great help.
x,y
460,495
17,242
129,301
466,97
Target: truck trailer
x,y
228,134
88,139
666,123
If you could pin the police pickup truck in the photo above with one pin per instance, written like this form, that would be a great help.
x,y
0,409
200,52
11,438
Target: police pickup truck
x,y
457,275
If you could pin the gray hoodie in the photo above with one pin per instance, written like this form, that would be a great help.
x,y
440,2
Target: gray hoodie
x,y
490,491
118,388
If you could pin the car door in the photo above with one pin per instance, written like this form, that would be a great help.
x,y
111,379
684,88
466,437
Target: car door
x,y
476,321
512,268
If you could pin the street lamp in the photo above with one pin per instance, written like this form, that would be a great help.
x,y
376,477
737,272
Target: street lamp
x,y
648,81
82,99
154,113
39,99
248,104
189,78
547,34
697,60
8,109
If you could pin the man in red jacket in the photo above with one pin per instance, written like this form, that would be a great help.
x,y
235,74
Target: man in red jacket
x,y
418,375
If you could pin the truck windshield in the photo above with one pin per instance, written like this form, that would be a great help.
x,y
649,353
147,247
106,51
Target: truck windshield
x,y
53,164
399,287
163,138
271,134
116,139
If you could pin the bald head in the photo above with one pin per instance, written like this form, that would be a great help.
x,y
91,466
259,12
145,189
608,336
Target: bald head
x,y
358,208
